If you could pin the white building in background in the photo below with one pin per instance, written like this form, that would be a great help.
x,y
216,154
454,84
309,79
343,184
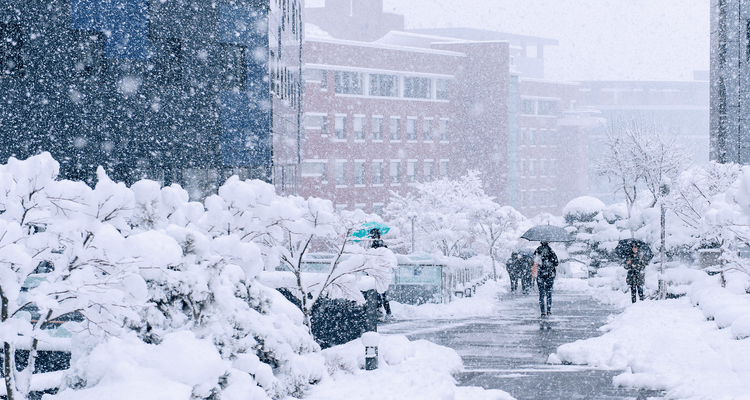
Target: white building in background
x,y
679,109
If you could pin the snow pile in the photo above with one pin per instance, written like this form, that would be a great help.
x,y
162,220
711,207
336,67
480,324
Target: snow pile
x,y
694,347
406,370
584,207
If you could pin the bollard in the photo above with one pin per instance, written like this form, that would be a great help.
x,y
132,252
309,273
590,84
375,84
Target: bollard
x,y
371,340
468,292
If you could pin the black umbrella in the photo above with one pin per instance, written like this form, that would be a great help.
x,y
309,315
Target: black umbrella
x,y
547,233
624,249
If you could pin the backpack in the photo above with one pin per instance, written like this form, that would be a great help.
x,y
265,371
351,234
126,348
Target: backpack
x,y
548,264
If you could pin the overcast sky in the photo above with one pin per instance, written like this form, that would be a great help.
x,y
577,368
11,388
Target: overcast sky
x,y
599,39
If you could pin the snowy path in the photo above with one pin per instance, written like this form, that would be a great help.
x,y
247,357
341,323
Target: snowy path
x,y
508,350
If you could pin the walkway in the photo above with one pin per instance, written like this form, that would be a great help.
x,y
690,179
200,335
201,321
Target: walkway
x,y
509,351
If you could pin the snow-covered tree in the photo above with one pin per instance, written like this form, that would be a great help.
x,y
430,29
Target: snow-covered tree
x,y
498,227
59,257
441,212
636,155
287,229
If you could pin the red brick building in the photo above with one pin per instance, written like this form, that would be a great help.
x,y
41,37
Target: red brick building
x,y
414,107
382,117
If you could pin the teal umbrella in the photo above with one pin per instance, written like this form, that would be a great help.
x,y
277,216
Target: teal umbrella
x,y
368,226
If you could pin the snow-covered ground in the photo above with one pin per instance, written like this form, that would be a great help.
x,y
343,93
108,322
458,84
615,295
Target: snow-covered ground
x,y
693,347
409,369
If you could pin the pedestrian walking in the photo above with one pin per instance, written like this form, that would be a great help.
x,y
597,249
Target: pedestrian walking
x,y
514,267
545,266
635,264
377,243
526,265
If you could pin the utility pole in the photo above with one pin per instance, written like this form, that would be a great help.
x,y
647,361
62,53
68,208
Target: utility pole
x,y
664,189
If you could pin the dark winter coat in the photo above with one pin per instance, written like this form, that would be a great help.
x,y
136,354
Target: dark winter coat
x,y
635,264
547,263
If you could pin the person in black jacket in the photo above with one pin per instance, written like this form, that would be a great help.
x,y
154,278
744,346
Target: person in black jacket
x,y
514,267
545,265
635,264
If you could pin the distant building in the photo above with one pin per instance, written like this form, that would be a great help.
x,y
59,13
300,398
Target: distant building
x,y
730,88
358,20
179,92
420,105
681,109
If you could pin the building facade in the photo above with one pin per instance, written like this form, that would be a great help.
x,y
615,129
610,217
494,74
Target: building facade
x,y
377,118
411,107
730,89
178,92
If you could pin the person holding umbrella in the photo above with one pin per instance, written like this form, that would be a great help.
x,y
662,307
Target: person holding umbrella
x,y
636,255
545,261
545,264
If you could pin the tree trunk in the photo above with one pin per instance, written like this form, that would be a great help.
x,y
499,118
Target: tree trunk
x,y
8,355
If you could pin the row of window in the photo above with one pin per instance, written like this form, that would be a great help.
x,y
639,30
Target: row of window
x,y
537,198
356,172
381,85
533,168
533,137
539,107
427,130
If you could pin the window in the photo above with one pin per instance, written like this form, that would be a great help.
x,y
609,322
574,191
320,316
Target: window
x,y
376,125
444,169
11,41
316,122
377,208
417,88
542,137
542,170
169,64
233,67
340,127
377,173
443,129
427,129
395,172
521,167
428,171
521,198
441,89
316,75
359,172
395,125
522,137
528,107
532,139
552,138
547,107
315,169
359,132
384,85
410,171
341,173
411,129
348,82
531,168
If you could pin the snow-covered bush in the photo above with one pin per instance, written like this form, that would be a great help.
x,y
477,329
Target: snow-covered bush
x,y
149,277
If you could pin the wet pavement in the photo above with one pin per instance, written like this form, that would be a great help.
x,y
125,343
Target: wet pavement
x,y
508,351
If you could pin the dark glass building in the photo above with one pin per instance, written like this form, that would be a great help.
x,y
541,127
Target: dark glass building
x,y
187,92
